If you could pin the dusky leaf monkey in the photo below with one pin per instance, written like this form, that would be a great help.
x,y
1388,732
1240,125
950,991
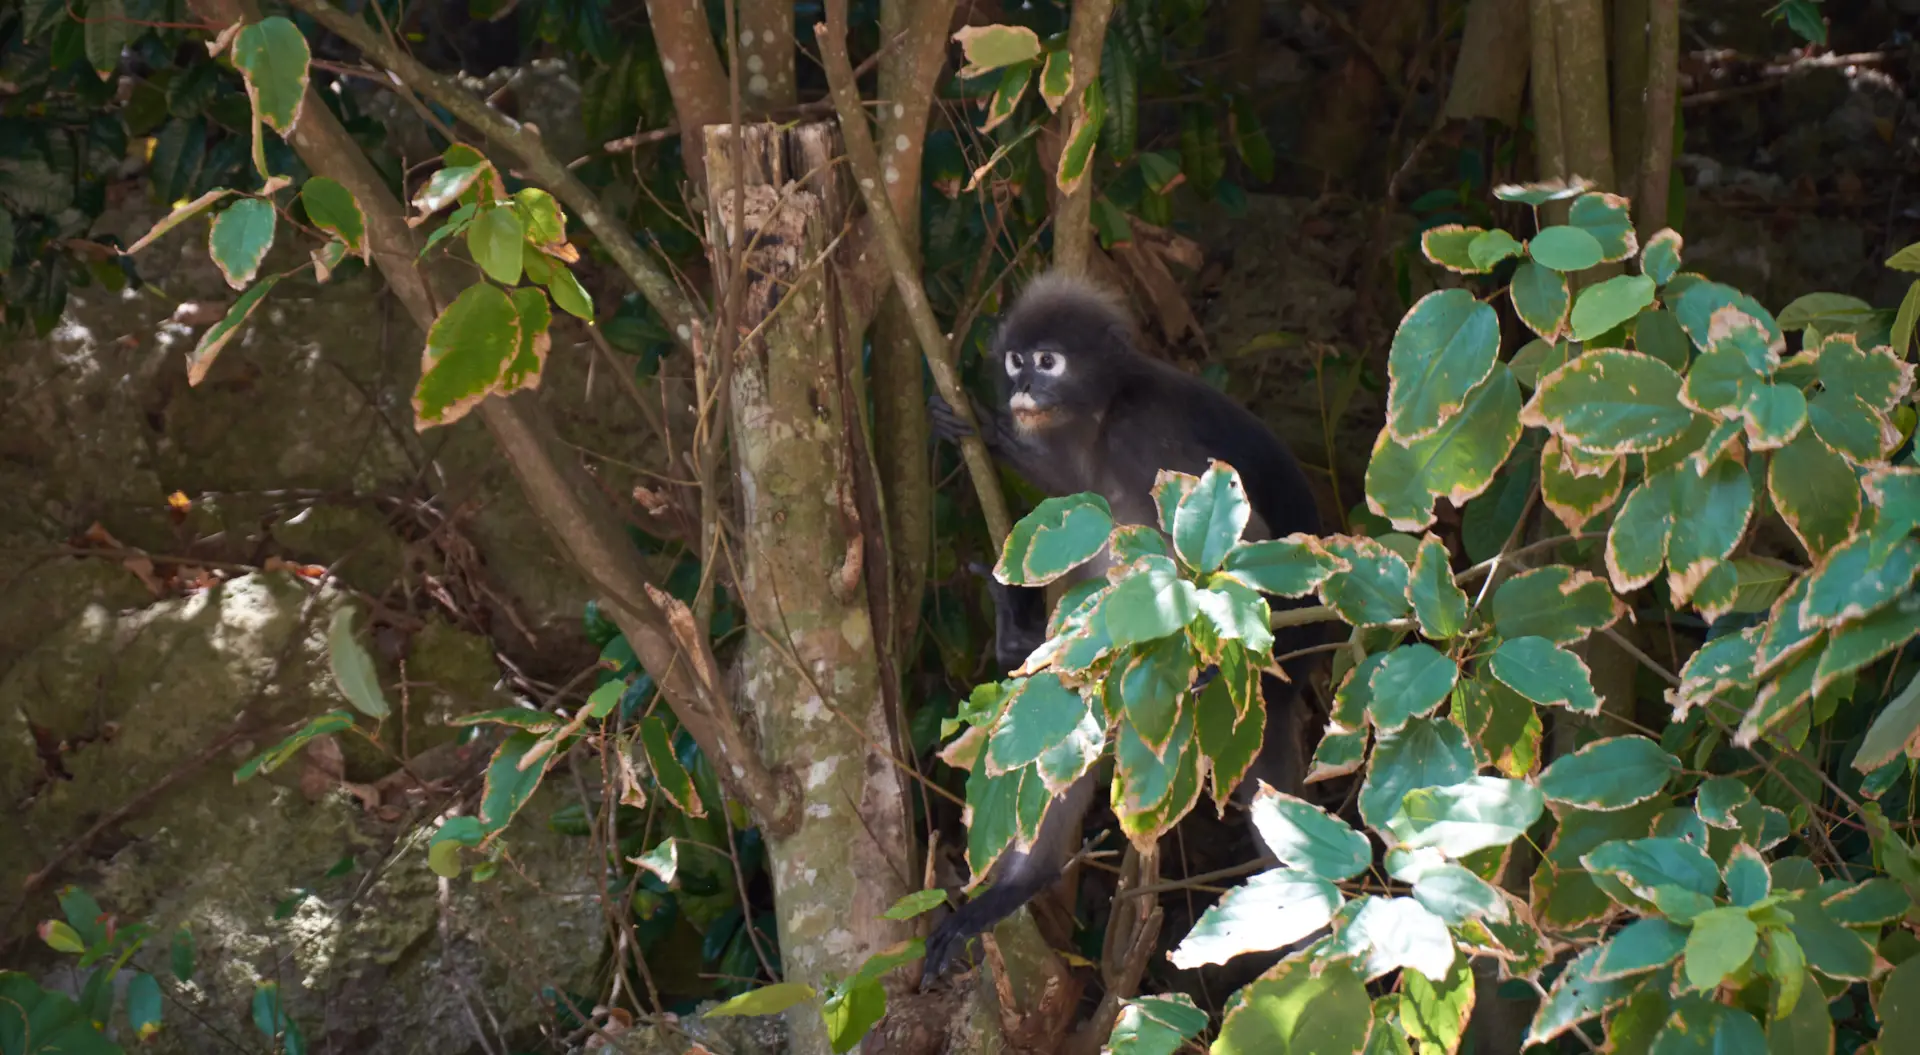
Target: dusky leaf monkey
x,y
1081,408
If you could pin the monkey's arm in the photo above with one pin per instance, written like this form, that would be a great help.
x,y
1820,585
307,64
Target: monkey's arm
x,y
1040,466
1016,878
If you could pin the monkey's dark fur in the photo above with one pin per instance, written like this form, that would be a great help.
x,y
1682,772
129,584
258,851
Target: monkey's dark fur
x,y
1081,409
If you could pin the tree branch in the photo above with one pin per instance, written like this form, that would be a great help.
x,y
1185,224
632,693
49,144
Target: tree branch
x,y
1073,213
539,163
865,160
1663,87
695,77
584,527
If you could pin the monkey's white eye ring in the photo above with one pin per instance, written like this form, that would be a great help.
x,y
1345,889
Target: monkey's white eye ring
x,y
1053,364
1013,363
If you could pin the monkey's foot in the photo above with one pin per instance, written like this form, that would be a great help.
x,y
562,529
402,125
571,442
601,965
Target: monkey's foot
x,y
951,939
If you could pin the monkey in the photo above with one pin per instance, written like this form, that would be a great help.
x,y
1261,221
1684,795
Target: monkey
x,y
1081,408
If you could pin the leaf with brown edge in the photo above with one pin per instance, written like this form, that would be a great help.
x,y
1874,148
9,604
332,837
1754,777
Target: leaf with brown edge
x,y
1610,401
1577,500
1076,157
445,186
1448,245
988,48
1878,376
180,214
1815,492
200,360
467,350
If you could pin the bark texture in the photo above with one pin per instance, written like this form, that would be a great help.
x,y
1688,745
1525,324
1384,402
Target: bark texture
x,y
807,671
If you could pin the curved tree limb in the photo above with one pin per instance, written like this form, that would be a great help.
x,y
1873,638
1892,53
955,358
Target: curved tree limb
x,y
906,276
538,162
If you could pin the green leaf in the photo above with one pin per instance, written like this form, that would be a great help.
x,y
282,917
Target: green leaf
x,y
509,786
1457,895
571,297
1541,299
672,777
1820,307
1611,401
852,1011
1374,589
1151,602
1443,349
1435,1013
468,349
1040,714
1056,79
1899,1007
1542,672
1504,726
1697,306
767,1000
240,238
1831,949
276,756
1605,217
353,668
1555,602
1462,818
1660,257
332,208
1438,604
1575,499
180,955
447,184
60,937
107,32
1901,337
1236,613
272,54
1603,306
1291,567
1076,157
1410,683
1609,774
1451,246
1007,94
201,359
1155,1025
1645,864
1565,248
1229,738
1390,933
1307,838
1640,946
1211,518
1815,492
1721,941
1458,461
1542,192
1715,506
1748,881
1058,536
1720,796
1297,1008
1577,996
989,48
143,1004
1858,578
496,239
1425,753
1272,909
181,213
1700,1025
1657,332
1872,903
1492,247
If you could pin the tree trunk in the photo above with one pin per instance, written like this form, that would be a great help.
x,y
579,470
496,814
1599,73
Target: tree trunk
x,y
807,669
1492,76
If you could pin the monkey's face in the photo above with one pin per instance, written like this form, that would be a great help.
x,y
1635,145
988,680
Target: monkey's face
x,y
1038,380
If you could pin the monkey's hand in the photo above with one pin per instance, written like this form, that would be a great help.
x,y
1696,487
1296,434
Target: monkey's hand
x,y
952,937
947,424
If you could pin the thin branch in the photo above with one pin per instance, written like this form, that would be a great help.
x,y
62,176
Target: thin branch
x,y
539,163
906,277
1073,213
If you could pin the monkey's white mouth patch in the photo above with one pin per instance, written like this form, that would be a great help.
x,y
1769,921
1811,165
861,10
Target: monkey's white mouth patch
x,y
1022,402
